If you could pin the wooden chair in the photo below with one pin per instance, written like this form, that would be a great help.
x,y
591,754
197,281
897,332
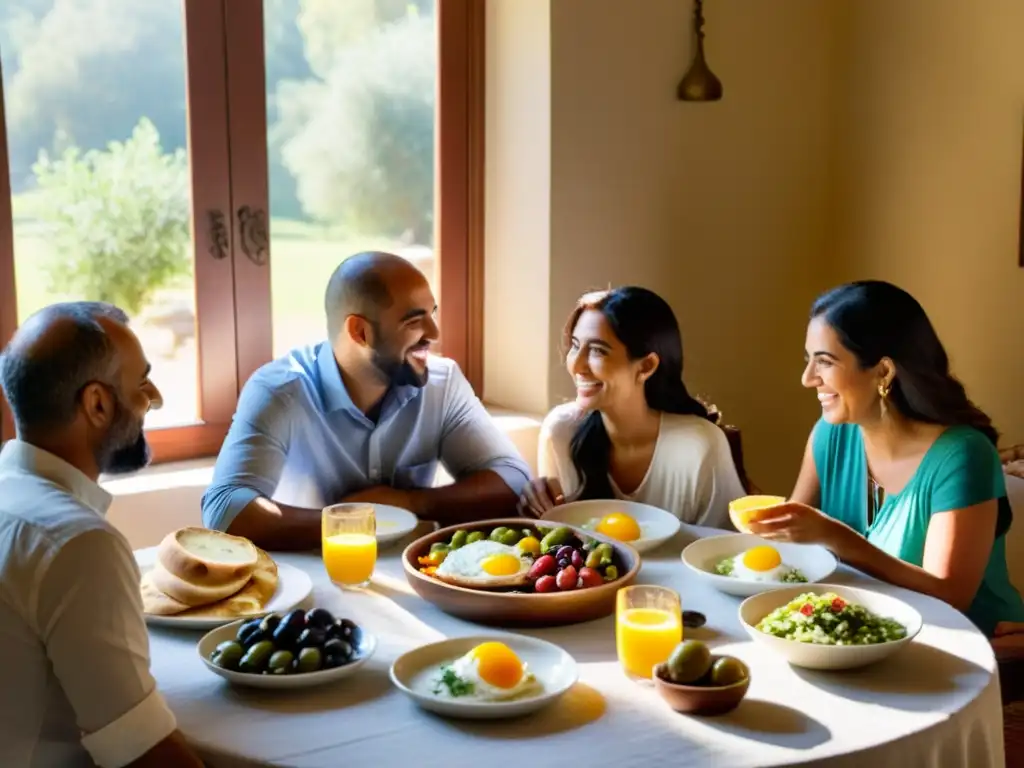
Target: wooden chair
x,y
732,434
1011,655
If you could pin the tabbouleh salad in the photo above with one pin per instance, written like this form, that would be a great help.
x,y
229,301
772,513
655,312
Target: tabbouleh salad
x,y
828,619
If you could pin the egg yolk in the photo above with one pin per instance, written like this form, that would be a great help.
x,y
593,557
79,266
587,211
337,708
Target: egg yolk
x,y
762,558
498,665
619,526
529,545
500,565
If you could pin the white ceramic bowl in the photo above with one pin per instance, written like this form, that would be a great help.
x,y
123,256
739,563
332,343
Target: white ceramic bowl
x,y
811,656
554,668
814,562
211,640
393,523
656,525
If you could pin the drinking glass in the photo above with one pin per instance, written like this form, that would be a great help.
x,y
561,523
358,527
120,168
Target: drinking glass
x,y
648,626
349,544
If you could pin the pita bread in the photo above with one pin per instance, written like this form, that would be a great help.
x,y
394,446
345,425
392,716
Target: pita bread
x,y
250,599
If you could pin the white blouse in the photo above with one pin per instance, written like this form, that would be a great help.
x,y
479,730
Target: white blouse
x,y
691,475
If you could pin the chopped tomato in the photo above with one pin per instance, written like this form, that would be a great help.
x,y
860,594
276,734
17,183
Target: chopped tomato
x,y
807,609
838,604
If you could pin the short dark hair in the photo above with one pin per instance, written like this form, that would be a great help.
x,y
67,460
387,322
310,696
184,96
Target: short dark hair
x,y
42,380
358,287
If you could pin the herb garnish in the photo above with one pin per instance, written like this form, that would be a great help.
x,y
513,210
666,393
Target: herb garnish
x,y
456,685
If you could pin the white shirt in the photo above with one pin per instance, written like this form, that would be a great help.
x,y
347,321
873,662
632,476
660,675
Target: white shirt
x,y
76,690
691,475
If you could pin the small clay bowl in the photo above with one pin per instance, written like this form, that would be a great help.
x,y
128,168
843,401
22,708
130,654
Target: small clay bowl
x,y
700,699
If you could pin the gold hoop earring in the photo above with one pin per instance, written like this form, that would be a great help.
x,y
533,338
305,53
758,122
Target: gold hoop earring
x,y
884,390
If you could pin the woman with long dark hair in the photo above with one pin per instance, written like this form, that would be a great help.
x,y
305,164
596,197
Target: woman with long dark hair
x,y
634,432
902,465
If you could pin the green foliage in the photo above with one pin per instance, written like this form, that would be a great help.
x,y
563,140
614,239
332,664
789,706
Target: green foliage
x,y
360,141
118,219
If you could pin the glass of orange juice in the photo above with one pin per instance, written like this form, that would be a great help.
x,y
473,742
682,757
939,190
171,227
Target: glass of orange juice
x,y
349,544
648,626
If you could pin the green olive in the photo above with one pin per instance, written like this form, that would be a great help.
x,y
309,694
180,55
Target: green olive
x,y
256,658
458,539
227,655
611,573
727,670
689,661
280,663
475,536
510,537
498,532
440,546
593,559
310,660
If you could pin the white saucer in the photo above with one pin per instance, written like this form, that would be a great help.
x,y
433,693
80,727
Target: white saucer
x,y
393,523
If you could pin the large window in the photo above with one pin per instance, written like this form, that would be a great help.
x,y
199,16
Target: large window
x,y
206,164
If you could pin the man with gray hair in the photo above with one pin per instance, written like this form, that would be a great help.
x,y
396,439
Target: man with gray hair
x,y
77,686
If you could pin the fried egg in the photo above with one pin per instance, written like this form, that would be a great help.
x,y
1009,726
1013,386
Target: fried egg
x,y
761,563
485,564
490,671
618,526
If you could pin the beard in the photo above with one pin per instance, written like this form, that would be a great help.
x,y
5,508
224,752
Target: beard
x,y
395,369
125,448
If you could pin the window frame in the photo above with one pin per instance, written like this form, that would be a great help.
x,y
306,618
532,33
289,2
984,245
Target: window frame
x,y
228,161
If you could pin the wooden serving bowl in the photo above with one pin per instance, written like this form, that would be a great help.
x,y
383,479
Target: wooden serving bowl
x,y
511,608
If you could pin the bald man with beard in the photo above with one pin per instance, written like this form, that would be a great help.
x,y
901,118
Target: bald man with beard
x,y
77,688
366,415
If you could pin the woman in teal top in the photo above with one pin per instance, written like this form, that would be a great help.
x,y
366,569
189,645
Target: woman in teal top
x,y
902,465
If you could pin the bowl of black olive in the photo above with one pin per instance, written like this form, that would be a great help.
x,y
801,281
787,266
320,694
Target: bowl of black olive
x,y
292,650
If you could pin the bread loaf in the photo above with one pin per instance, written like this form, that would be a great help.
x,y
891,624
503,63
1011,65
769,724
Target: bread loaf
x,y
207,558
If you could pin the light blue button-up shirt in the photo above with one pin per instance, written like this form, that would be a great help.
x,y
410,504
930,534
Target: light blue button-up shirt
x,y
298,439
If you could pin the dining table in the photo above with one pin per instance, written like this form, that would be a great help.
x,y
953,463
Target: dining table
x,y
935,703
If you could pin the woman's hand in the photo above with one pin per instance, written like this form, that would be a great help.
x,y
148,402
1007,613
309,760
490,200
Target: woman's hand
x,y
540,495
799,523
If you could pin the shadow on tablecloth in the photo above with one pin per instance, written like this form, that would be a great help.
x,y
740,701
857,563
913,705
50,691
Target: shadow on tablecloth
x,y
767,722
909,680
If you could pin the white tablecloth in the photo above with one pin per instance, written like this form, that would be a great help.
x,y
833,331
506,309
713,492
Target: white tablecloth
x,y
935,704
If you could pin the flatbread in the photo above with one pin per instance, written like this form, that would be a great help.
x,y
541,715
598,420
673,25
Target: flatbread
x,y
250,599
155,602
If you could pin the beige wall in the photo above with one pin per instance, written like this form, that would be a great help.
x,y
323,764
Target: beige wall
x,y
929,174
857,138
723,208
517,202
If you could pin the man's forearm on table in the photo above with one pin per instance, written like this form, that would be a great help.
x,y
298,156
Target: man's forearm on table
x,y
479,496
271,525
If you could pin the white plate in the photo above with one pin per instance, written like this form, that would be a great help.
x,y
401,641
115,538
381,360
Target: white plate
x,y
656,525
811,656
393,523
554,668
293,586
211,640
813,561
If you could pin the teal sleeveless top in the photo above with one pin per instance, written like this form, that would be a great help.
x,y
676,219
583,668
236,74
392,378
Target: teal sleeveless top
x,y
961,469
